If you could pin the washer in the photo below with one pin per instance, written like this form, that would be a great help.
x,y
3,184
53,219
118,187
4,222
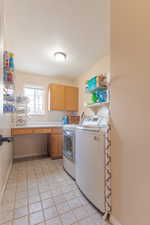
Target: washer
x,y
90,162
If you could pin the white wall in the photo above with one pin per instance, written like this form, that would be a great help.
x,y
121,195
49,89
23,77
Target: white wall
x,y
35,145
130,56
30,145
102,65
41,80
6,155
6,152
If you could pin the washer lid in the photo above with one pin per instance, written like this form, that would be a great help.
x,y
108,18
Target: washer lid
x,y
70,126
86,128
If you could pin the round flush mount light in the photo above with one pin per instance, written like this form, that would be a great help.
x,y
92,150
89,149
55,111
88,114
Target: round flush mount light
x,y
60,56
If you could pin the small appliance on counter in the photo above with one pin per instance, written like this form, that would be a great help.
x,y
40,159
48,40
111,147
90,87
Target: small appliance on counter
x,y
73,119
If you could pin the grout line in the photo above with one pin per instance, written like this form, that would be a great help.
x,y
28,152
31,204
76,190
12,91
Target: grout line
x,y
42,179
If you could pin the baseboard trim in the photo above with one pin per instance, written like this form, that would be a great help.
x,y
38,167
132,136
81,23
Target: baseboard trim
x,y
5,183
114,221
30,156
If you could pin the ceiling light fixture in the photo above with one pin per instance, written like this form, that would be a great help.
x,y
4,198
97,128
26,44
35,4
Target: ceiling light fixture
x,y
60,56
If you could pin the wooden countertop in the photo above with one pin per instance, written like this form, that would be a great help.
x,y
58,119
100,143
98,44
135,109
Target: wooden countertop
x,y
37,130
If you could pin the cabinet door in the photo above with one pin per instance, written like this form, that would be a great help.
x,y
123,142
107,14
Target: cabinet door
x,y
56,143
19,131
56,99
57,130
42,130
71,99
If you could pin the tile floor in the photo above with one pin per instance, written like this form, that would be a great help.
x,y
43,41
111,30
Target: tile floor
x,y
39,192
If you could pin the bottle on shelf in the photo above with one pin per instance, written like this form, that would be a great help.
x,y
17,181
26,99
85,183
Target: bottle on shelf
x,y
8,81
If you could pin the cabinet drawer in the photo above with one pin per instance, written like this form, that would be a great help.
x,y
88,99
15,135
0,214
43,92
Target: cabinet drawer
x,y
57,130
18,131
42,130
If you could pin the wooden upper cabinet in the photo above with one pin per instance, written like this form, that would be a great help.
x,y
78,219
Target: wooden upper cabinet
x,y
71,99
56,97
63,98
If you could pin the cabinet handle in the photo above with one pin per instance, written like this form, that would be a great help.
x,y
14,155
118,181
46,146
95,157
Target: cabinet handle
x,y
5,139
96,138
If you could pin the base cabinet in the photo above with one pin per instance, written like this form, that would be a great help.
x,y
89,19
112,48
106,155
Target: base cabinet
x,y
54,138
56,146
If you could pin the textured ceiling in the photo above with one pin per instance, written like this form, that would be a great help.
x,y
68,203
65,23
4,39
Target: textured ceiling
x,y
35,29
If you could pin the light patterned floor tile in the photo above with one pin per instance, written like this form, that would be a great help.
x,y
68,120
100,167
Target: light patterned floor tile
x,y
36,218
86,221
97,219
50,213
35,207
63,208
68,218
48,203
90,209
21,221
75,203
67,189
77,193
54,221
44,189
70,195
21,202
21,195
32,192
20,212
6,207
34,199
83,201
51,196
45,195
9,223
59,199
6,216
80,213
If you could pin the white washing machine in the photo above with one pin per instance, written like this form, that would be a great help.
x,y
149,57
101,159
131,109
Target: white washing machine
x,y
90,162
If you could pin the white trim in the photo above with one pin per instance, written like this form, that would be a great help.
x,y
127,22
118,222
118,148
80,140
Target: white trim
x,y
44,101
5,183
33,86
114,221
37,114
30,155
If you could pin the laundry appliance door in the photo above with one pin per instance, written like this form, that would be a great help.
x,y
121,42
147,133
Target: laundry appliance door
x,y
90,165
69,144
